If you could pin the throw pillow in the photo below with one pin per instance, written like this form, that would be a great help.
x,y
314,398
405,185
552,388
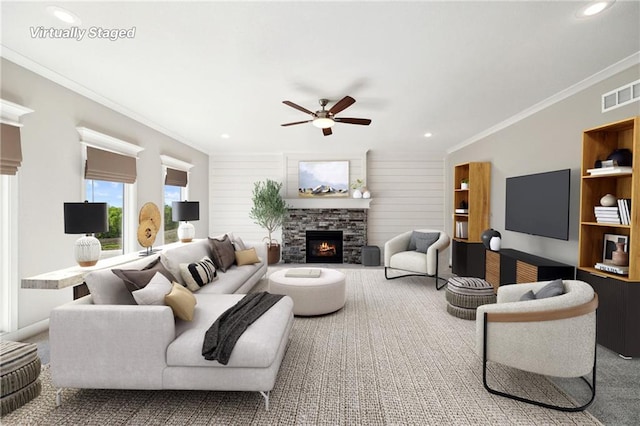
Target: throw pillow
x,y
181,301
247,257
237,242
554,288
421,241
153,293
136,279
198,274
528,296
107,289
222,252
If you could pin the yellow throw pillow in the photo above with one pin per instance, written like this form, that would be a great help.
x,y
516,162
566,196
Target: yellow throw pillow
x,y
181,301
247,257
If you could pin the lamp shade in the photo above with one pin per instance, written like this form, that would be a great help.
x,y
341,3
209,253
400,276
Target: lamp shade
x,y
185,210
85,218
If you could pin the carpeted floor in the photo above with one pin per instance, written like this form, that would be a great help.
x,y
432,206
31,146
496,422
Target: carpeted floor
x,y
391,356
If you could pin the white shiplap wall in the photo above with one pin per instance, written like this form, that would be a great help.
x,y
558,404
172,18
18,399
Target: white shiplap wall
x,y
407,189
231,183
408,193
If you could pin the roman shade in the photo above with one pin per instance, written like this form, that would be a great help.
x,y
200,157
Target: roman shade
x,y
175,177
109,166
10,149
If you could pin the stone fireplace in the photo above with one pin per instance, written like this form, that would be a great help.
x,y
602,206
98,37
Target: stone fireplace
x,y
352,223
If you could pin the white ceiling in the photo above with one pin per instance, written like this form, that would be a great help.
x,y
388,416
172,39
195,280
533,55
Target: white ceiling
x,y
202,69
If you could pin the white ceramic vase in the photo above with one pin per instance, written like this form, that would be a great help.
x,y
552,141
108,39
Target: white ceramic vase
x,y
366,194
494,243
357,193
608,200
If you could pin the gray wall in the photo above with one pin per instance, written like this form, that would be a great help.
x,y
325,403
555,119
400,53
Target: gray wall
x,y
51,174
548,140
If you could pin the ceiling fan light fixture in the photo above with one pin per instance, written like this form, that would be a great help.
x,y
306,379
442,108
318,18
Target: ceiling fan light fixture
x,y
323,122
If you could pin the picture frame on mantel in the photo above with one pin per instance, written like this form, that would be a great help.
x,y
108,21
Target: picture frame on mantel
x,y
322,179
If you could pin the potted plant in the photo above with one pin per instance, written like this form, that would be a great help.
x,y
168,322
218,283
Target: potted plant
x,y
268,211
464,183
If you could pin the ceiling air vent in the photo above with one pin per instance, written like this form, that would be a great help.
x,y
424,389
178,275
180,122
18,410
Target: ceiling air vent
x,y
621,96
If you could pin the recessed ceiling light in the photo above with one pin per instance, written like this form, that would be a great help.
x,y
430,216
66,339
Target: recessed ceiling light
x,y
428,135
594,8
64,15
225,136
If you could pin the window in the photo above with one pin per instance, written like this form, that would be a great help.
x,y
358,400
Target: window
x,y
171,194
111,193
176,180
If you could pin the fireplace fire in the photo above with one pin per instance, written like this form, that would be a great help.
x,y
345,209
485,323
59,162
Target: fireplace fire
x,y
324,246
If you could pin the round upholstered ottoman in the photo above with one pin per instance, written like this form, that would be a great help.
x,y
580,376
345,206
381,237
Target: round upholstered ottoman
x,y
315,291
19,374
465,294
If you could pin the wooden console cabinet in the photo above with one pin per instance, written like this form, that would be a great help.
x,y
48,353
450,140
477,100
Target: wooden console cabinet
x,y
510,266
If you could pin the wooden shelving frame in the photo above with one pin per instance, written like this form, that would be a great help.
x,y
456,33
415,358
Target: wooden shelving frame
x,y
477,196
597,144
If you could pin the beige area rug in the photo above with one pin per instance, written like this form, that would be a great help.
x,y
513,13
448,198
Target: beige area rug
x,y
392,356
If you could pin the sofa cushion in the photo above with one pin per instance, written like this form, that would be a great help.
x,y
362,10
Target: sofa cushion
x,y
222,252
185,253
107,289
237,242
154,292
554,288
257,347
181,301
230,281
135,279
246,257
198,274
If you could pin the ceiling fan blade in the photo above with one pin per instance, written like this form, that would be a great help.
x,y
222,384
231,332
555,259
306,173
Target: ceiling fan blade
x,y
327,131
298,107
342,104
297,122
361,121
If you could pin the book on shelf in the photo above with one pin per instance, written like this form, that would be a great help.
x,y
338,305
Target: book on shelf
x,y
616,170
462,211
462,229
608,267
624,206
614,221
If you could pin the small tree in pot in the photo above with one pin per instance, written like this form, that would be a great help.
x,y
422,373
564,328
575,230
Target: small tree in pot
x,y
268,211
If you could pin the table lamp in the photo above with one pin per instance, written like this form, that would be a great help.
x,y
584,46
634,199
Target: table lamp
x,y
86,218
183,211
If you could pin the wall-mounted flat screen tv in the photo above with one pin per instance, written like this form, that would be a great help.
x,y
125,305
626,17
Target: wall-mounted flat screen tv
x,y
538,204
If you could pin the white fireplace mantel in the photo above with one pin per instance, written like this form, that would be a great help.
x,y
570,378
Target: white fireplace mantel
x,y
328,203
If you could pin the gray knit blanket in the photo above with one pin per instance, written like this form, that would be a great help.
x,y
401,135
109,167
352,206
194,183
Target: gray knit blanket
x,y
223,334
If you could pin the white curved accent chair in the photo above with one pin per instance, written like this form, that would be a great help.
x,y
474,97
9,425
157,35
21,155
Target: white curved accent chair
x,y
398,256
555,336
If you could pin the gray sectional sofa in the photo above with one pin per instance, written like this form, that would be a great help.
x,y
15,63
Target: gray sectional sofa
x,y
129,346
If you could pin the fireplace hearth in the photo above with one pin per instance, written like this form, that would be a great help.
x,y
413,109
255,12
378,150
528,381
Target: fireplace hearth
x,y
323,246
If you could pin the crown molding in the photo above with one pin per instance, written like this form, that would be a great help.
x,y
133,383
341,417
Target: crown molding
x,y
174,163
610,71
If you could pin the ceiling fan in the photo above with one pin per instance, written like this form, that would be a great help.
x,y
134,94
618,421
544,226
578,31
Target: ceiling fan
x,y
325,119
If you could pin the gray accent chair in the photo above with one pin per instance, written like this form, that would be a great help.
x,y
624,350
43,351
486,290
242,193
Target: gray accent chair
x,y
399,255
555,336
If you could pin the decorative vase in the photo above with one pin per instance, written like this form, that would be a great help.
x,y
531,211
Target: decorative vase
x,y
623,157
464,185
366,194
494,243
357,193
620,257
273,253
488,235
608,200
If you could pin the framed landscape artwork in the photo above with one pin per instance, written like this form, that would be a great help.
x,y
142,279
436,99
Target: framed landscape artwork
x,y
323,178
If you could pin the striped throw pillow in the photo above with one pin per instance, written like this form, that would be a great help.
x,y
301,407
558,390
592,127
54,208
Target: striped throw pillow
x,y
198,274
